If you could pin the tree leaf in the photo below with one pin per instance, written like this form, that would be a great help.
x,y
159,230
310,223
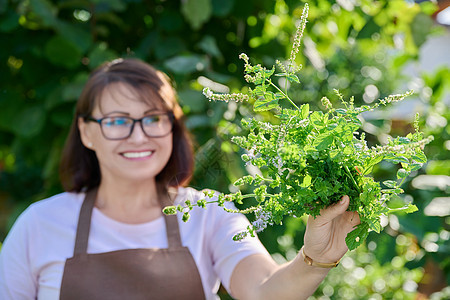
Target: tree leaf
x,y
100,54
9,22
420,28
196,12
209,45
30,121
80,38
222,8
45,10
61,52
185,64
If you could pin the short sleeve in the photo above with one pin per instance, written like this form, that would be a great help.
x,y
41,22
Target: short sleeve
x,y
227,253
16,279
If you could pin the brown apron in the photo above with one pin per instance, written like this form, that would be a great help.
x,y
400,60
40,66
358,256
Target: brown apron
x,y
132,273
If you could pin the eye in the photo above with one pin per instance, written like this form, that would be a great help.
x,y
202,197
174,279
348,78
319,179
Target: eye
x,y
151,120
117,121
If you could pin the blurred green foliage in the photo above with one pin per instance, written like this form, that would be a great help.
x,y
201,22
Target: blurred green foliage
x,y
360,47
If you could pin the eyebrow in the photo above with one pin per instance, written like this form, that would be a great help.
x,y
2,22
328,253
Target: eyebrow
x,y
128,114
116,112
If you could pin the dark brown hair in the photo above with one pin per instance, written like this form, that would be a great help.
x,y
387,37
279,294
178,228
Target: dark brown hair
x,y
79,168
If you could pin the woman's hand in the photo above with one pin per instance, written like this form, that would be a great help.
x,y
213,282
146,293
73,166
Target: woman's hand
x,y
325,234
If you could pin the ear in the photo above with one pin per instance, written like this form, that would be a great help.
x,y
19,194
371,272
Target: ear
x,y
85,133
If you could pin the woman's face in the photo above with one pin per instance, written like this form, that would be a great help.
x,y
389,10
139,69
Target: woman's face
x,y
136,158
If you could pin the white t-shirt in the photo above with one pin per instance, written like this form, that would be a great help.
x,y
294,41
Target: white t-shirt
x,y
33,255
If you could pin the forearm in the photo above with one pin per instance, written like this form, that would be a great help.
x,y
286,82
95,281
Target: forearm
x,y
294,280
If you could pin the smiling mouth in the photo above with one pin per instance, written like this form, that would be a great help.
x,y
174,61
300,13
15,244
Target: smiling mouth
x,y
137,154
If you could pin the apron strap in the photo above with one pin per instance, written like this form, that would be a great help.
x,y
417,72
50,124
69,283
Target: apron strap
x,y
173,231
84,222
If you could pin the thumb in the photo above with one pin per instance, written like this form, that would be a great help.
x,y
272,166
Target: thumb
x,y
332,211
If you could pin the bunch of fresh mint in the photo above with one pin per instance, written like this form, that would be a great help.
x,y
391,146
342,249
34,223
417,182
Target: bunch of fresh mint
x,y
310,159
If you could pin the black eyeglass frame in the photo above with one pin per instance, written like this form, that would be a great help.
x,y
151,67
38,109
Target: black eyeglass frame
x,y
88,118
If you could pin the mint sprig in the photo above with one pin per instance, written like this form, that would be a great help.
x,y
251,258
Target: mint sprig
x,y
310,159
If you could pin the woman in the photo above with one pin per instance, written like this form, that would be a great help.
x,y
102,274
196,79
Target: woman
x,y
127,155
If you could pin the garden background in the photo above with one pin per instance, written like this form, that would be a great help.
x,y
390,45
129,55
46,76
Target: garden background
x,y
368,49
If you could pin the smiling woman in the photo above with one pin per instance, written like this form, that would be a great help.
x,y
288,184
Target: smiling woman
x,y
127,80
106,236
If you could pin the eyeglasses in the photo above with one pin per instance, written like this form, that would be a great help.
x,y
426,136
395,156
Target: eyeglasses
x,y
119,128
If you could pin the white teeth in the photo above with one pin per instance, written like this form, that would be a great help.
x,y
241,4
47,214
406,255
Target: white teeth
x,y
137,154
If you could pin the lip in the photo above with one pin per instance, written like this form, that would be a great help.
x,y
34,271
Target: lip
x,y
137,155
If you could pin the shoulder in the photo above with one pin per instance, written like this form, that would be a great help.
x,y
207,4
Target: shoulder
x,y
58,204
61,207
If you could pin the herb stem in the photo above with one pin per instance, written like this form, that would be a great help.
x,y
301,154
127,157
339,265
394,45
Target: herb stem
x,y
283,93
351,177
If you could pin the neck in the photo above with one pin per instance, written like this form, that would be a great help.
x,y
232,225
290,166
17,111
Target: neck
x,y
129,202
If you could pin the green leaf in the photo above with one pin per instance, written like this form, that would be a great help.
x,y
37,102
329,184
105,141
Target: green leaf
x,y
209,45
397,159
370,162
420,157
375,225
402,173
357,236
222,8
196,12
61,52
268,73
410,208
192,100
317,119
45,10
293,78
304,111
9,22
79,37
185,64
267,102
323,141
3,8
420,28
30,121
10,106
390,184
368,30
100,54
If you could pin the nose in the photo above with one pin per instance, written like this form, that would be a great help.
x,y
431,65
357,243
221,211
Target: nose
x,y
137,134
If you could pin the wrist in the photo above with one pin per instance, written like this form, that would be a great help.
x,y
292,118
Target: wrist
x,y
315,263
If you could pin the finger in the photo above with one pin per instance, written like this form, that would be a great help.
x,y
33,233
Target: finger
x,y
332,211
352,217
